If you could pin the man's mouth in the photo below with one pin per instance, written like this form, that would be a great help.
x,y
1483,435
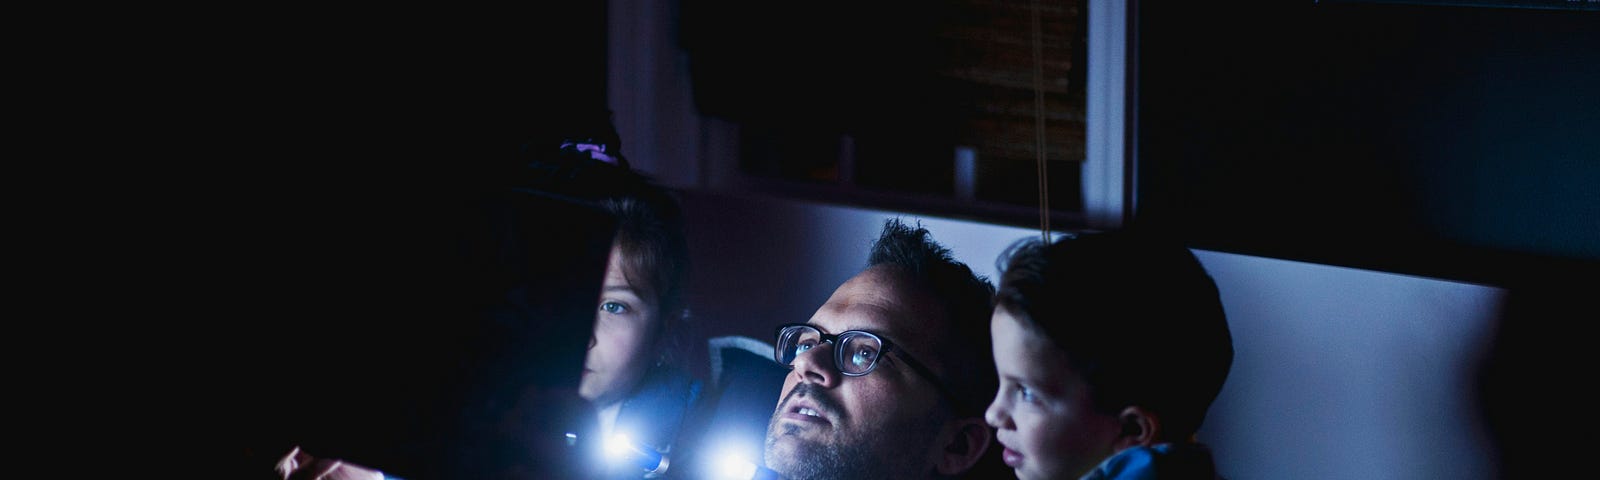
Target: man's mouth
x,y
808,405
806,414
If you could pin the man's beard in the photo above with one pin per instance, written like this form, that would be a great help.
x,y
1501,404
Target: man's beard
x,y
895,449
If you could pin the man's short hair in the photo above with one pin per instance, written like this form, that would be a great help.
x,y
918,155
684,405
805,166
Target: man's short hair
x,y
1137,316
965,298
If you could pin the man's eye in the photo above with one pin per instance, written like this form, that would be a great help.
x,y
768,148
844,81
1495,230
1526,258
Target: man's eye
x,y
614,308
863,357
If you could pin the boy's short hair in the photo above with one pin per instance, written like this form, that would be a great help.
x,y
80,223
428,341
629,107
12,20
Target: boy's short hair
x,y
1137,316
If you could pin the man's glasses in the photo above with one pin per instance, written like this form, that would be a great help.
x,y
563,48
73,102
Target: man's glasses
x,y
855,352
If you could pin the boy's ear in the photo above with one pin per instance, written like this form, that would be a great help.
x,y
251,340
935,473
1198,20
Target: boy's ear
x,y
961,445
1140,427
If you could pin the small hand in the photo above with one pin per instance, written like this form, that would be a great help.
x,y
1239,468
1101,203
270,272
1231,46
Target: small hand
x,y
298,465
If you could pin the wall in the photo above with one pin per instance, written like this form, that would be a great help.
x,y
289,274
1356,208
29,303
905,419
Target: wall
x,y
1346,373
1339,373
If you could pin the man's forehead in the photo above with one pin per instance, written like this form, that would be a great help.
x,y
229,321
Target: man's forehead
x,y
884,301
839,315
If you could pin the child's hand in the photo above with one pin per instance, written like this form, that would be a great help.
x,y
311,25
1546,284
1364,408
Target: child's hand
x,y
298,465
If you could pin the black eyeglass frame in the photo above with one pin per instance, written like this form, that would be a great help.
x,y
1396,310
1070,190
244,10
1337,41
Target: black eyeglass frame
x,y
838,356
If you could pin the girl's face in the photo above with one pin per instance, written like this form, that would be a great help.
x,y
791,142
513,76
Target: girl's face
x,y
1043,414
622,345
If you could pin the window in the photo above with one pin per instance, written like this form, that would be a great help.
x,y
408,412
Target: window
x,y
903,105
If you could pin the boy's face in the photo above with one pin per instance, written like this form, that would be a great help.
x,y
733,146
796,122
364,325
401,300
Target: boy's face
x,y
1043,414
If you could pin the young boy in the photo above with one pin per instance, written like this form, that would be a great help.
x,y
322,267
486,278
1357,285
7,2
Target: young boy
x,y
1110,348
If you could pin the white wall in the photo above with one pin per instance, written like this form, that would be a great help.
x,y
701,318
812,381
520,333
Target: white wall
x,y
1339,373
1345,373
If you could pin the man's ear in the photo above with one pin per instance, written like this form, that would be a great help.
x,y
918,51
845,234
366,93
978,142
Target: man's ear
x,y
1140,427
963,442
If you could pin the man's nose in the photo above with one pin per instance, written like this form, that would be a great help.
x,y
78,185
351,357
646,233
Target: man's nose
x,y
816,366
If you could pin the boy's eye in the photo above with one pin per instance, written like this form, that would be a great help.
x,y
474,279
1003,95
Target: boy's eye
x,y
1024,393
614,308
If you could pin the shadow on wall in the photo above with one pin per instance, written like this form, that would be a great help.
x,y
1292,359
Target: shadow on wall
x,y
1533,384
759,263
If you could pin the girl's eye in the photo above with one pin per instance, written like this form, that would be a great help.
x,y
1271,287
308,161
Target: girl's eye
x,y
614,308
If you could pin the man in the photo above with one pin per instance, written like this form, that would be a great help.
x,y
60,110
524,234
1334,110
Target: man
x,y
889,378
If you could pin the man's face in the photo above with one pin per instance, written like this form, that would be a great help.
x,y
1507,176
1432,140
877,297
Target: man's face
x,y
882,424
1043,413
